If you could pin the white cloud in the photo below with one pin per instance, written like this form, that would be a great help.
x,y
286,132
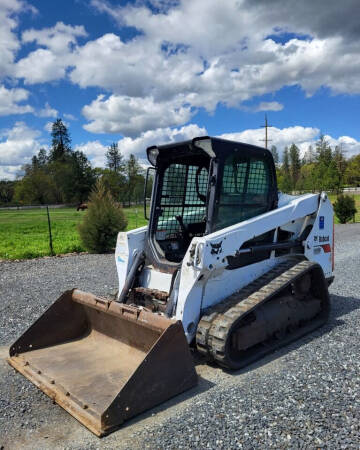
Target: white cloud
x,y
350,145
131,116
301,136
48,127
69,116
9,42
233,61
9,172
176,64
159,136
269,106
41,66
96,151
49,63
58,38
10,99
17,146
48,111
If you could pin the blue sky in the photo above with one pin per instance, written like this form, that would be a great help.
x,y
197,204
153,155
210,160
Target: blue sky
x,y
153,71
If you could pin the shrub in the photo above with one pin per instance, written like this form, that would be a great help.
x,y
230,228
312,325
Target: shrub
x,y
103,220
344,208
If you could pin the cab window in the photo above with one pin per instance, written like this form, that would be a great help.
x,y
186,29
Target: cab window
x,y
244,190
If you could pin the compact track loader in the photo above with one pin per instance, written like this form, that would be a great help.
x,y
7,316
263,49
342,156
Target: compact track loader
x,y
228,266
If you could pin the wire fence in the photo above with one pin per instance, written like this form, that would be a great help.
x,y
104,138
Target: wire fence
x,y
29,232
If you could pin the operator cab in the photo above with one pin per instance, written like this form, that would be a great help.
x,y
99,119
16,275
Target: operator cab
x,y
201,186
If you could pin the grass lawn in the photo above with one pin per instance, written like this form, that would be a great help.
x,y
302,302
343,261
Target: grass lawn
x,y
24,233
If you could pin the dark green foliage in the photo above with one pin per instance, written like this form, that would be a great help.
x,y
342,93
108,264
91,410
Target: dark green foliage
x,y
114,182
344,208
295,164
61,142
82,178
352,172
319,170
134,180
65,176
102,221
35,188
323,151
284,181
114,158
7,189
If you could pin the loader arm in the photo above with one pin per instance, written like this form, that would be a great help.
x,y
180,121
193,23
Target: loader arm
x,y
207,274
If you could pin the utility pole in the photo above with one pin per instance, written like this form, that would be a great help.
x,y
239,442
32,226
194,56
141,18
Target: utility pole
x,y
266,126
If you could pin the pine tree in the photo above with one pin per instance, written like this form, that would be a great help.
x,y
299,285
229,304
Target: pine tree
x,y
286,180
340,160
42,157
323,151
114,158
309,156
102,221
134,177
275,154
345,208
295,164
61,142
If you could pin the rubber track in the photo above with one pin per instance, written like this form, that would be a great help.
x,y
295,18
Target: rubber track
x,y
214,326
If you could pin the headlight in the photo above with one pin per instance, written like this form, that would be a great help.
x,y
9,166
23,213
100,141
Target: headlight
x,y
152,154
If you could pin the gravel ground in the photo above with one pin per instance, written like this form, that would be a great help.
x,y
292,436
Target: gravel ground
x,y
306,395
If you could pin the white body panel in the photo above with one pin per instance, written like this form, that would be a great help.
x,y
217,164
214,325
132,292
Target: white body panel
x,y
153,279
204,279
128,244
321,237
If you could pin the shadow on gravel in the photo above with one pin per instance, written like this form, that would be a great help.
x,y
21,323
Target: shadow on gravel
x,y
340,306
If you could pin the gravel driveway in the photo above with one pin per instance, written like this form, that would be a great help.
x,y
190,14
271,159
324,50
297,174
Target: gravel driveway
x,y
305,395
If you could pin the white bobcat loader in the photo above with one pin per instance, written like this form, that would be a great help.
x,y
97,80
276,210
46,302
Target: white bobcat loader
x,y
228,266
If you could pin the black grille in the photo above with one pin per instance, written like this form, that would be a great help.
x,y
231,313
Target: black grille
x,y
258,180
244,190
183,195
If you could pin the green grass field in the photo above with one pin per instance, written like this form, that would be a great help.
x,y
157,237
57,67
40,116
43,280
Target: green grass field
x,y
24,233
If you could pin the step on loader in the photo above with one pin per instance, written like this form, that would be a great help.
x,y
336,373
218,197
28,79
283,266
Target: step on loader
x,y
228,266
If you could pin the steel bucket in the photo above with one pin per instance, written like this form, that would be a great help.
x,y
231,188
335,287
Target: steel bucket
x,y
102,361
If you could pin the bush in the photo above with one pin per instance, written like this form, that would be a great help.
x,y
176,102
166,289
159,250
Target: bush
x,y
103,220
344,208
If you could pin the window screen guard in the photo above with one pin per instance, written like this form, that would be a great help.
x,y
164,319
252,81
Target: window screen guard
x,y
182,199
244,190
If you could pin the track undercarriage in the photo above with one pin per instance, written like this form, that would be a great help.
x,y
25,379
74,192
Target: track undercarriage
x,y
287,302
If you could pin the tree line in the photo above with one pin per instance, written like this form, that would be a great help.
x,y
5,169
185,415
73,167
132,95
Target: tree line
x,y
64,175
322,168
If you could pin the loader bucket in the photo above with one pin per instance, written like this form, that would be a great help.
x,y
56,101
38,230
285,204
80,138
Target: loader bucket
x,y
102,361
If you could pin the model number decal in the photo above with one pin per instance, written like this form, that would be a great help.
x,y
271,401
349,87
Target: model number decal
x,y
321,238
